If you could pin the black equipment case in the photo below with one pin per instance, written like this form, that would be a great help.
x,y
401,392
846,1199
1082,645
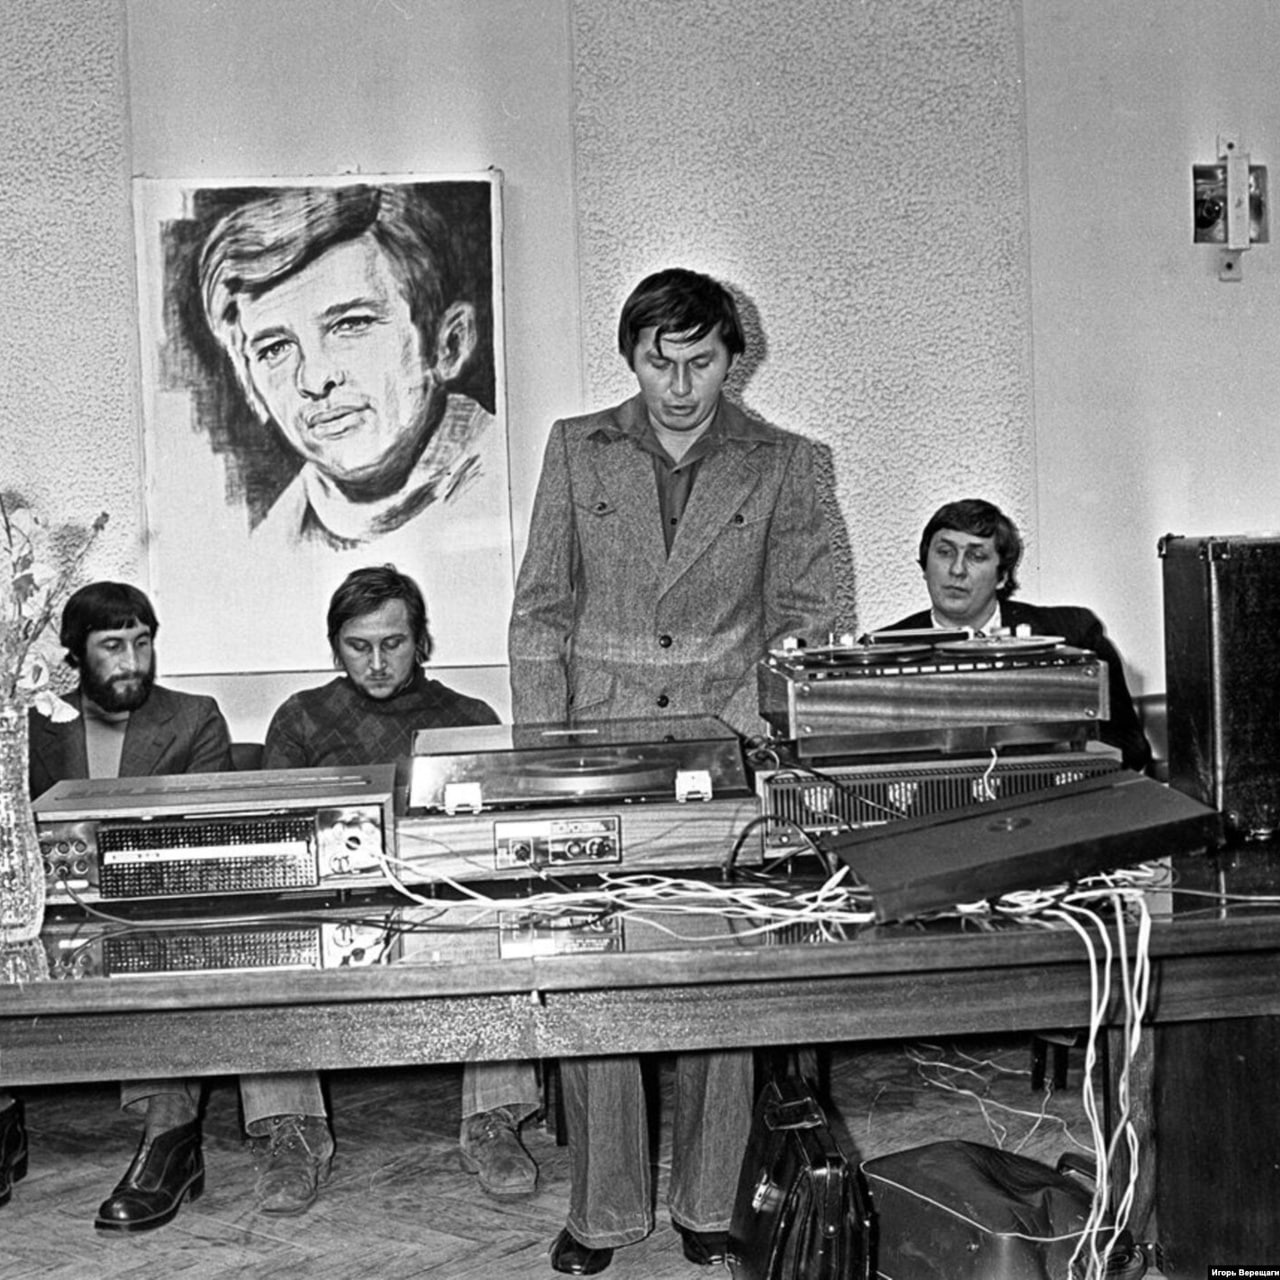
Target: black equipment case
x,y
957,1210
1222,674
801,1211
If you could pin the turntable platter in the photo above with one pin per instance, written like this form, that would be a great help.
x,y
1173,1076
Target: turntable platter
x,y
879,655
1001,646
596,763
579,773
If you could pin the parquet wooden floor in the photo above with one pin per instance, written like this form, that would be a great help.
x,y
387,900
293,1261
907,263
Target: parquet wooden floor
x,y
398,1205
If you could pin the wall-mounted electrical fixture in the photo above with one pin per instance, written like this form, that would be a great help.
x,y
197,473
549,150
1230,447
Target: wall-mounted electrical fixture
x,y
1229,204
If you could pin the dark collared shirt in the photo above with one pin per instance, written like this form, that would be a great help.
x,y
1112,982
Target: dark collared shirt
x,y
675,479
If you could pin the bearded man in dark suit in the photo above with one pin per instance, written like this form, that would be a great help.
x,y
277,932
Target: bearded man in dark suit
x,y
125,726
969,553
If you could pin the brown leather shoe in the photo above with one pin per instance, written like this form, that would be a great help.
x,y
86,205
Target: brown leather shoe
x,y
490,1145
13,1148
292,1159
167,1169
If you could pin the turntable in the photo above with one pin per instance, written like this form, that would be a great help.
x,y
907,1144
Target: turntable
x,y
510,800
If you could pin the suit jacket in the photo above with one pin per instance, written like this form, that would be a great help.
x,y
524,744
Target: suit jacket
x,y
1082,629
606,625
170,733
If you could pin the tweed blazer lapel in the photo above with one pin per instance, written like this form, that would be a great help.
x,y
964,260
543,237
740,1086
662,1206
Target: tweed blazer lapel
x,y
624,473
725,480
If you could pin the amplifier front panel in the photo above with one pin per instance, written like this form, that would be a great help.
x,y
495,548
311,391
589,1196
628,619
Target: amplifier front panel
x,y
126,859
521,845
97,950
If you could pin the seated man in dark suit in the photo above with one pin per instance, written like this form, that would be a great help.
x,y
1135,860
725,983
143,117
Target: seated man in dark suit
x,y
127,726
969,552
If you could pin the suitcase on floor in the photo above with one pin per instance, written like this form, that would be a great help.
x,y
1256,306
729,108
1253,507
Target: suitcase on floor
x,y
801,1211
959,1210
1222,674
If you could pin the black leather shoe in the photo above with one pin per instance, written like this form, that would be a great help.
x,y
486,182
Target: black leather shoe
x,y
574,1259
168,1169
705,1248
13,1149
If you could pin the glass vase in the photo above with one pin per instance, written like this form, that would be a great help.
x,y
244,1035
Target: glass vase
x,y
21,864
23,962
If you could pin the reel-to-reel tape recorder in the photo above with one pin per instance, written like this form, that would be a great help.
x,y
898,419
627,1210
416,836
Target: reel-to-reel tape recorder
x,y
933,691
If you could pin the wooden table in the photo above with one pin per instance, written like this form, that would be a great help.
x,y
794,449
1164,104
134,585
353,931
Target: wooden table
x,y
452,997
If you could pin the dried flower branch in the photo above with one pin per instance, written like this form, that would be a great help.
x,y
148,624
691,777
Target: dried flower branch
x,y
30,593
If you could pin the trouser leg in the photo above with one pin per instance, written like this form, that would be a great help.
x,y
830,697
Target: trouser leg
x,y
486,1086
279,1094
179,1100
609,1186
710,1127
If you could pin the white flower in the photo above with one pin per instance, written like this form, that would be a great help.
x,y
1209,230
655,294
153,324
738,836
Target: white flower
x,y
47,703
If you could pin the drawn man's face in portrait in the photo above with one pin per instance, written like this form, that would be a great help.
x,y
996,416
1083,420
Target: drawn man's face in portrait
x,y
339,365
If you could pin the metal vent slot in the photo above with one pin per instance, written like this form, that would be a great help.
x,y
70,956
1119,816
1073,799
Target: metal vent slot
x,y
859,796
216,950
137,836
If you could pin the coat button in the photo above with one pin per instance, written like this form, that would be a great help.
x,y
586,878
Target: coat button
x,y
663,700
665,641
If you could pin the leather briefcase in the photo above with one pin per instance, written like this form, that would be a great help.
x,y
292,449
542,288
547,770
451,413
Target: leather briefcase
x,y
801,1211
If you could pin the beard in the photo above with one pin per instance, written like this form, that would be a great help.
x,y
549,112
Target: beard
x,y
116,693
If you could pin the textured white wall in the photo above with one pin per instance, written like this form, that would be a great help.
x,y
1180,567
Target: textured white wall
x,y
255,87
69,436
1156,385
856,170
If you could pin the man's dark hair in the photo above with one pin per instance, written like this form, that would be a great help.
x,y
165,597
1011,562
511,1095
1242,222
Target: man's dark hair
x,y
983,520
268,239
363,591
679,301
103,606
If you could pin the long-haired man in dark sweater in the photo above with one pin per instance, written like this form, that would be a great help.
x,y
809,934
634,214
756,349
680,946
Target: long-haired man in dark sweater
x,y
378,634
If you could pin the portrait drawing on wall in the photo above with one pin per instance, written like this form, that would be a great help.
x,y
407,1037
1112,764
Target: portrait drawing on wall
x,y
322,384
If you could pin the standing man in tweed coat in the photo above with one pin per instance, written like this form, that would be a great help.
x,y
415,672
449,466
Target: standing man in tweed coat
x,y
674,541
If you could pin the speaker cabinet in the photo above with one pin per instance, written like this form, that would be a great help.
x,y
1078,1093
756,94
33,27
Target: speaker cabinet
x,y
1222,674
1217,1174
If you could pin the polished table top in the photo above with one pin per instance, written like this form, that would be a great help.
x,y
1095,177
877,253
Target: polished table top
x,y
634,933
